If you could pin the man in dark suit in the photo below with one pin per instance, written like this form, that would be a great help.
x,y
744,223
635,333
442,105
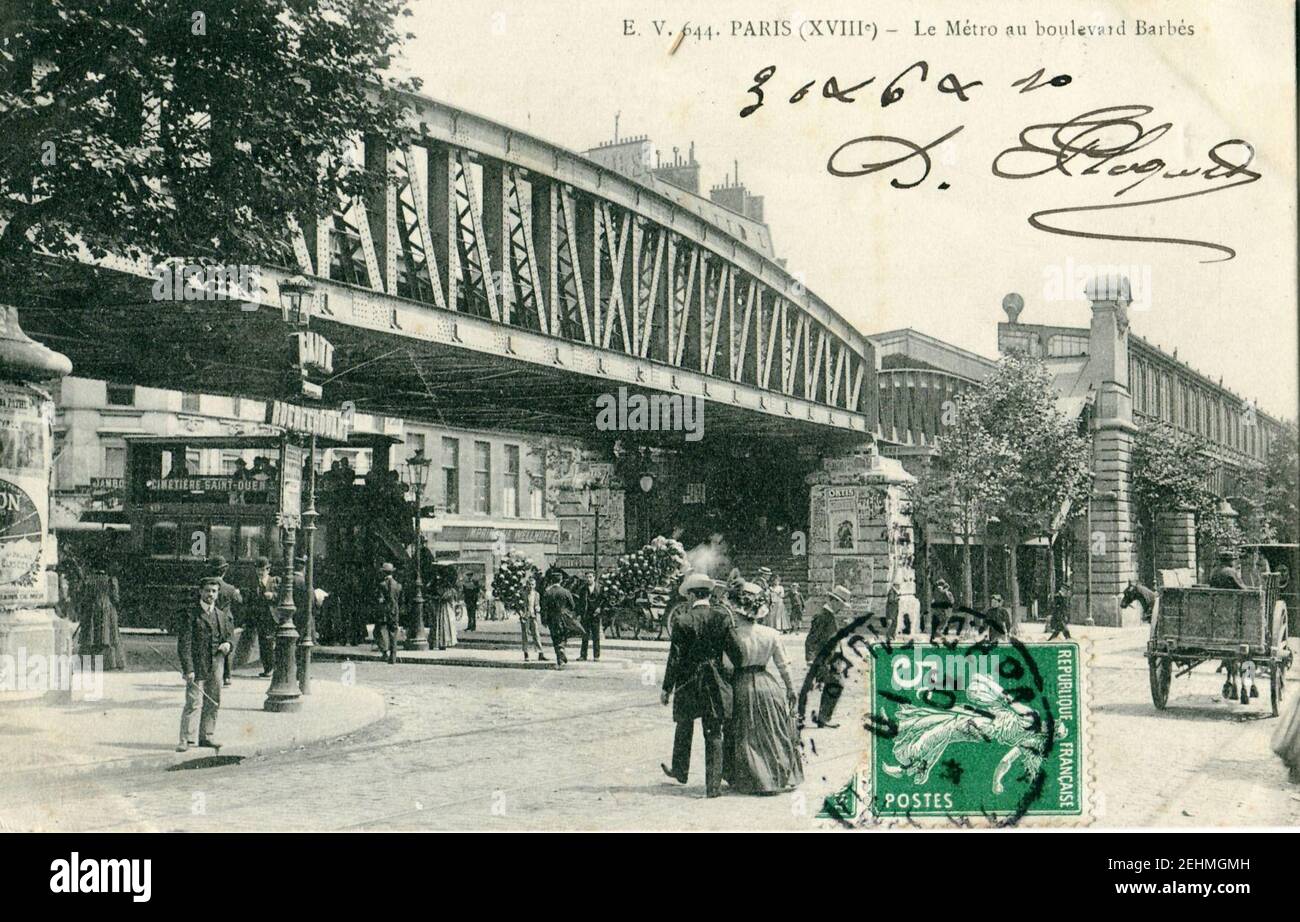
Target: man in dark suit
x,y
588,599
263,596
557,614
694,680
825,625
997,620
203,640
388,612
470,591
227,598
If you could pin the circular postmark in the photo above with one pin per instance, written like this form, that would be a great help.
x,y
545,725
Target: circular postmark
x,y
961,730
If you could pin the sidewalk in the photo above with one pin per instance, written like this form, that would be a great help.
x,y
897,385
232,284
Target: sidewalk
x,y
136,722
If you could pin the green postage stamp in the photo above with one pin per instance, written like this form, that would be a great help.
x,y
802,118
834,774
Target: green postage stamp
x,y
994,731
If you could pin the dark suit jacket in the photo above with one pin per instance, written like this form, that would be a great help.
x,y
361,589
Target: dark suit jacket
x,y
701,635
390,600
198,637
228,596
823,628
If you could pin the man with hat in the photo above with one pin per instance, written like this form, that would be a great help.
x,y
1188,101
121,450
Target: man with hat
x,y
389,610
227,597
263,598
825,625
694,680
202,644
1227,576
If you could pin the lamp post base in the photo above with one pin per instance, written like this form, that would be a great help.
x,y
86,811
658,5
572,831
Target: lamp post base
x,y
419,642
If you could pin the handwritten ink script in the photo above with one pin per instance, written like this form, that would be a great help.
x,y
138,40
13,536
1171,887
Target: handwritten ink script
x,y
1111,142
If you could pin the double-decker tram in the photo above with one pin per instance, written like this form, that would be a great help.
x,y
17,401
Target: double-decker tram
x,y
181,519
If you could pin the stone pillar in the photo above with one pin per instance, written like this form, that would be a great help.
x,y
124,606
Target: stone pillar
x,y
1175,540
29,628
1114,560
861,532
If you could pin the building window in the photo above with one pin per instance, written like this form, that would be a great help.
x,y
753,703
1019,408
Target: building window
x,y
451,475
121,395
510,489
193,461
1062,344
189,403
483,478
114,460
415,441
228,461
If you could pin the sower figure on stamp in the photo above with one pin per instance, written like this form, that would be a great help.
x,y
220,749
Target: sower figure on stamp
x,y
388,612
694,680
824,626
203,640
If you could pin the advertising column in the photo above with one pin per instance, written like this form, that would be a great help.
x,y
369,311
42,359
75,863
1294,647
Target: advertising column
x,y
28,625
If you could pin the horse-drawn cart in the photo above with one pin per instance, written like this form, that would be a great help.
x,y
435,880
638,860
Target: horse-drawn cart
x,y
1245,629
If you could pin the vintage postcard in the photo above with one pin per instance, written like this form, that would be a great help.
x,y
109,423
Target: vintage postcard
x,y
643,415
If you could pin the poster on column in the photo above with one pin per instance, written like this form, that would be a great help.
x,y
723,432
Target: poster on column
x,y
24,496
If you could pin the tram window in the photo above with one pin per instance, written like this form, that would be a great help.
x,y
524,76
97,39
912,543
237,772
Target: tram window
x,y
162,539
251,540
221,540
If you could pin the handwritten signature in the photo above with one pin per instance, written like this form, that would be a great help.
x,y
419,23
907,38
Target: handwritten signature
x,y
1102,142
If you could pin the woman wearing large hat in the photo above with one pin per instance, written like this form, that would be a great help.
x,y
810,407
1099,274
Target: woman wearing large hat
x,y
765,750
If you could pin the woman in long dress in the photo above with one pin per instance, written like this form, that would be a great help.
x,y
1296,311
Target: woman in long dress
x,y
777,617
764,756
1286,738
444,621
96,602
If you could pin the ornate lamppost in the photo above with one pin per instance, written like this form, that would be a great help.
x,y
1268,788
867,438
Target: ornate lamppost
x,y
285,693
417,474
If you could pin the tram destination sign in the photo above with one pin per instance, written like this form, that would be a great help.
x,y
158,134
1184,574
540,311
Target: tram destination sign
x,y
330,424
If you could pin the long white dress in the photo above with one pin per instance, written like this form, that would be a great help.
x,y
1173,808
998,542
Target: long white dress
x,y
777,618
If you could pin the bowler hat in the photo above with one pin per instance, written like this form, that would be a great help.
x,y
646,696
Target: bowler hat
x,y
210,581
388,568
1227,554
218,564
263,563
695,581
839,592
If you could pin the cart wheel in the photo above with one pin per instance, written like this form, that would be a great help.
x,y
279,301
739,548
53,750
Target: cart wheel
x,y
1160,670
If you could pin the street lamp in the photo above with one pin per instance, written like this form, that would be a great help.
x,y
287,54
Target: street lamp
x,y
295,294
417,475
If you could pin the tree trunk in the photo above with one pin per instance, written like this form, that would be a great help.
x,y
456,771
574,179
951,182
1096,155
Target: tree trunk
x,y
1015,584
965,569
986,593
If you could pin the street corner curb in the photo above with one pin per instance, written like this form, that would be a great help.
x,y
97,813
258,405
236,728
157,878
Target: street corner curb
x,y
413,660
369,708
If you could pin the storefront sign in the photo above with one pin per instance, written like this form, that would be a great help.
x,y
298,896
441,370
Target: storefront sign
x,y
25,415
330,424
291,481
487,535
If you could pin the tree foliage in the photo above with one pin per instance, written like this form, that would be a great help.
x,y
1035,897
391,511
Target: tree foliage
x,y
168,128
1280,500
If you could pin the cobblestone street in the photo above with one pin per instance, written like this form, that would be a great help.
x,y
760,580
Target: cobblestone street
x,y
484,748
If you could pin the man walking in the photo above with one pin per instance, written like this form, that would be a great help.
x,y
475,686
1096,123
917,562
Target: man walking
x,y
388,612
1060,623
530,628
941,612
825,625
557,614
694,681
202,644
